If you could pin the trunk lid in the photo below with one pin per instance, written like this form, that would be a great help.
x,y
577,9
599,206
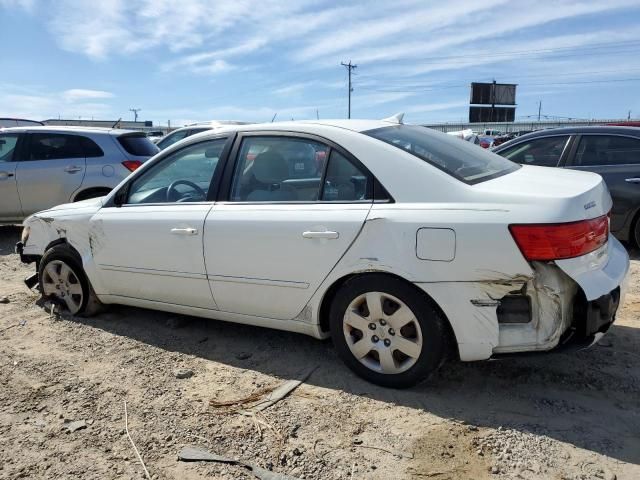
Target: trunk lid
x,y
554,195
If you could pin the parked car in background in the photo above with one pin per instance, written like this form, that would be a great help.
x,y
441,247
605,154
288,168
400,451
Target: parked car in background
x,y
155,135
499,140
188,130
491,133
613,152
18,122
485,141
405,245
44,166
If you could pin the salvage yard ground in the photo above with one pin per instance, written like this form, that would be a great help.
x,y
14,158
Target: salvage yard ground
x,y
560,416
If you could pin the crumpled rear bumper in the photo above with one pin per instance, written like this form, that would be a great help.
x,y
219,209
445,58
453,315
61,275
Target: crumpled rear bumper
x,y
600,272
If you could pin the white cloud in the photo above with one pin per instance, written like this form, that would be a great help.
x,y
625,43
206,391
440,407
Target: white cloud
x,y
38,103
79,94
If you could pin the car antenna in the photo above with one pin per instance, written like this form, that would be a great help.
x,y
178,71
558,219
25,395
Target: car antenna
x,y
274,117
117,122
397,118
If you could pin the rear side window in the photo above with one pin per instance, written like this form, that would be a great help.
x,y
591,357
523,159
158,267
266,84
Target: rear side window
x,y
344,181
7,146
138,145
607,150
52,146
461,160
193,131
545,152
91,148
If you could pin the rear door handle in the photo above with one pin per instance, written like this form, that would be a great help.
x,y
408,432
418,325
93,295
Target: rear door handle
x,y
4,175
632,180
184,231
330,235
72,169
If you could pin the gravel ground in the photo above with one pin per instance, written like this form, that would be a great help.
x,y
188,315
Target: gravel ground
x,y
557,416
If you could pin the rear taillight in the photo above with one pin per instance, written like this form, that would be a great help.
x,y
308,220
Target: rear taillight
x,y
561,240
131,165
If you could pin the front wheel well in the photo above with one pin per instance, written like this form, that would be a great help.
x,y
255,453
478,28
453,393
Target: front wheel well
x,y
63,241
327,299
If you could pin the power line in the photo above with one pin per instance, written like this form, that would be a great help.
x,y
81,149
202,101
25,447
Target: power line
x,y
442,87
350,67
570,74
595,46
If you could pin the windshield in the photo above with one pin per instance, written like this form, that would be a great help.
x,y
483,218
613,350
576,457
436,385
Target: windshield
x,y
462,160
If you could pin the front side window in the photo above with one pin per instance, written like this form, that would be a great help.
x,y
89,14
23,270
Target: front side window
x,y
278,169
545,152
607,150
184,176
459,159
7,146
52,146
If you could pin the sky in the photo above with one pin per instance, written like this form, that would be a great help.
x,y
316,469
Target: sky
x,y
195,60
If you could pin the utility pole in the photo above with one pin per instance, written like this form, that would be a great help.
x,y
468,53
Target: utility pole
x,y
135,113
493,101
629,115
350,67
539,109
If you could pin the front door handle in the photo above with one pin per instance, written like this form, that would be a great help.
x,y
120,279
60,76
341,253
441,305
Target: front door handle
x,y
5,175
72,169
632,180
184,231
329,235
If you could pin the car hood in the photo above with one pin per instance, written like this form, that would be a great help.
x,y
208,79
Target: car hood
x,y
559,195
90,206
90,202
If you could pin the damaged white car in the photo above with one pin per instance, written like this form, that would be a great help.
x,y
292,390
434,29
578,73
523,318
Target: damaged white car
x,y
403,244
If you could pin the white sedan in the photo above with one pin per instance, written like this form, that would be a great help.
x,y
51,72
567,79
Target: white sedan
x,y
405,245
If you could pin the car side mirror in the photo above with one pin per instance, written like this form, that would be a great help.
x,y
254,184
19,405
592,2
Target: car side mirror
x,y
120,197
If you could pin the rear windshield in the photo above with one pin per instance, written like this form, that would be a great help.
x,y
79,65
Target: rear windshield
x,y
460,159
138,145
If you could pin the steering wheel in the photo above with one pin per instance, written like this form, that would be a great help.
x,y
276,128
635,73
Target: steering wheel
x,y
172,188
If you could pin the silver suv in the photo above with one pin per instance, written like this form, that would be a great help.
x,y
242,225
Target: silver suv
x,y
45,166
184,132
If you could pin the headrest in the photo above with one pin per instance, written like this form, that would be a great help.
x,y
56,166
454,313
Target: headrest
x,y
270,167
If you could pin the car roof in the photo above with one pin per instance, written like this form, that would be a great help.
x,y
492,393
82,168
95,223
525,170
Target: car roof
x,y
577,130
353,125
68,129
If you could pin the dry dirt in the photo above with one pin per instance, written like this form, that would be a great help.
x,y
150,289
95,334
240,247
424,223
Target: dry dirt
x,y
557,416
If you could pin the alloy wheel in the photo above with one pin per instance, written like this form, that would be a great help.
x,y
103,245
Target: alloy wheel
x,y
382,333
60,281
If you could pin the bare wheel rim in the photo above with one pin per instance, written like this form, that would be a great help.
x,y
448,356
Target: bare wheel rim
x,y
382,333
59,280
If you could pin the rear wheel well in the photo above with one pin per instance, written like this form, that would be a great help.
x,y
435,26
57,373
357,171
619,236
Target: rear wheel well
x,y
325,307
631,237
92,192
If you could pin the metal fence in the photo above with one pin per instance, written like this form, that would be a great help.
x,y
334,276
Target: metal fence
x,y
520,126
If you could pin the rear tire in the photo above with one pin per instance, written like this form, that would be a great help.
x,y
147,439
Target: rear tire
x,y
386,331
63,281
634,234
